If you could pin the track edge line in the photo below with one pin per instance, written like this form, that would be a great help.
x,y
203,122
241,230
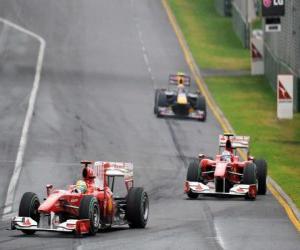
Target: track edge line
x,y
288,205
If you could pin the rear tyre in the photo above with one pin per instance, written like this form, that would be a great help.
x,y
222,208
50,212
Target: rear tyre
x,y
29,208
137,211
89,209
201,105
194,175
261,174
249,178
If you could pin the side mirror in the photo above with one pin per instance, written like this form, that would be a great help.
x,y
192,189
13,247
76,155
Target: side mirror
x,y
49,188
201,156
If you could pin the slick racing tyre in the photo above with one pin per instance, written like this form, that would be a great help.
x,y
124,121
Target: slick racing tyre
x,y
249,177
194,171
89,209
137,211
201,105
261,174
194,175
29,208
162,101
155,101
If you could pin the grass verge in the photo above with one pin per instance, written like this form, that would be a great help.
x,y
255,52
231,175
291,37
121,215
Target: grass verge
x,y
248,102
209,35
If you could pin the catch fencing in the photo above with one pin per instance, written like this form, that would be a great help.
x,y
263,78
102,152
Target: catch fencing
x,y
282,49
243,13
223,7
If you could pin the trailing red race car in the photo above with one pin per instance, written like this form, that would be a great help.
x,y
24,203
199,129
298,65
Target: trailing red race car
x,y
88,205
227,174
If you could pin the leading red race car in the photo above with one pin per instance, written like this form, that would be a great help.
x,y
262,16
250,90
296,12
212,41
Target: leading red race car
x,y
227,175
85,212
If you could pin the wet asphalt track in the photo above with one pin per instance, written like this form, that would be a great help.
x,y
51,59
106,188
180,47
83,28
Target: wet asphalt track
x,y
103,60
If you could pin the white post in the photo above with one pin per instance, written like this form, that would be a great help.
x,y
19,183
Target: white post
x,y
285,96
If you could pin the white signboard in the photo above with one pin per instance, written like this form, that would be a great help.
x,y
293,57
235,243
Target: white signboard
x,y
285,96
257,53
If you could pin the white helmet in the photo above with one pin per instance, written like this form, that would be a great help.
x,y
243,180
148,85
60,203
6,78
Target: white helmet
x,y
226,156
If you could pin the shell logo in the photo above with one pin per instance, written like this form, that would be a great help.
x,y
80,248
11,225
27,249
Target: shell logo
x,y
267,3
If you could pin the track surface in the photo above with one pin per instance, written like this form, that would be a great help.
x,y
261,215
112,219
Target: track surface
x,y
103,60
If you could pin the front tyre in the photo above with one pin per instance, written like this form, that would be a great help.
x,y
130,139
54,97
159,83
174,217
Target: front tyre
x,y
201,106
261,174
89,209
162,101
193,175
137,211
249,178
155,101
29,208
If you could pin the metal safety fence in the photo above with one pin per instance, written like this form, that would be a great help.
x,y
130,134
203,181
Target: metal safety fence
x,y
223,7
243,12
282,49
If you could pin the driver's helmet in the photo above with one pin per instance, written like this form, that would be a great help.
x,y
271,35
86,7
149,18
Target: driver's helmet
x,y
226,156
180,76
81,186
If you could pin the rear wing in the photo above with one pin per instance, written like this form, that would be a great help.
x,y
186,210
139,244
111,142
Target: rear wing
x,y
237,141
179,79
104,168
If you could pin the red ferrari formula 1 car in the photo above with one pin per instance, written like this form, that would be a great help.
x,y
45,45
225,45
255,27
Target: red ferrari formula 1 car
x,y
88,207
227,175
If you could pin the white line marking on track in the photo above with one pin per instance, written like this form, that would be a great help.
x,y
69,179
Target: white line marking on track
x,y
140,36
23,141
146,59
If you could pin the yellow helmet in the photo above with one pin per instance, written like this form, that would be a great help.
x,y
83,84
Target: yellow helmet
x,y
81,186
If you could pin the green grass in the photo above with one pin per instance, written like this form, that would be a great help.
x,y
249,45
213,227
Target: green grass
x,y
257,24
250,106
248,102
209,35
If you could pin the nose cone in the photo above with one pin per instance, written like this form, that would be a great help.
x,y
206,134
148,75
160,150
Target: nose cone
x,y
220,169
51,204
181,99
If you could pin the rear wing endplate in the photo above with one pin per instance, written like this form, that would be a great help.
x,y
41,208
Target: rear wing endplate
x,y
106,168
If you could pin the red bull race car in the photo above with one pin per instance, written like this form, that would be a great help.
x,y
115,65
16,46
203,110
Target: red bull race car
x,y
178,101
227,174
87,206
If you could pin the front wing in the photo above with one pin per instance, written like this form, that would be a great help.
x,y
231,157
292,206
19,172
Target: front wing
x,y
237,190
69,226
168,112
